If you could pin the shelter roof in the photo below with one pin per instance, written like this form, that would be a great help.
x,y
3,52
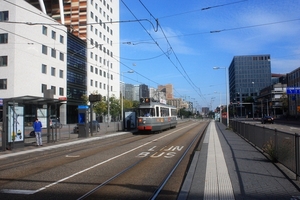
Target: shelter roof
x,y
34,100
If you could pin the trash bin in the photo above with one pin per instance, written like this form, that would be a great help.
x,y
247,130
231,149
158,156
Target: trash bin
x,y
83,130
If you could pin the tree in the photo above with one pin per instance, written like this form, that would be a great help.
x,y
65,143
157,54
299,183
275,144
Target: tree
x,y
100,108
284,103
114,108
183,112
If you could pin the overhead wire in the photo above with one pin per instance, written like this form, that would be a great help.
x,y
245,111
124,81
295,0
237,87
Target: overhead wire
x,y
147,33
186,76
201,9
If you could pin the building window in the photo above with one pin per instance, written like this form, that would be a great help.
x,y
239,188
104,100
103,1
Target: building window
x,y
44,88
53,88
111,88
61,91
100,72
112,77
104,74
104,86
44,49
96,83
96,70
3,84
53,53
91,82
3,38
61,73
92,68
45,30
44,69
3,16
52,71
3,61
61,56
100,85
61,39
53,35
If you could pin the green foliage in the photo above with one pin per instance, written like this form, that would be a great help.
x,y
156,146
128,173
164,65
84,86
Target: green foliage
x,y
269,148
100,108
115,108
284,102
185,113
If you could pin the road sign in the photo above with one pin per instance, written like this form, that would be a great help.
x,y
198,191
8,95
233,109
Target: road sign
x,y
293,90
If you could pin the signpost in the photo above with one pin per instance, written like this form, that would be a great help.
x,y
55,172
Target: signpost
x,y
294,90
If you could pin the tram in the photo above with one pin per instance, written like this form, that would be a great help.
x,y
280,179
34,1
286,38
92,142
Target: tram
x,y
154,116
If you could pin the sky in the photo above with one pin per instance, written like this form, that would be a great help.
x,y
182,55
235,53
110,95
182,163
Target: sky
x,y
179,42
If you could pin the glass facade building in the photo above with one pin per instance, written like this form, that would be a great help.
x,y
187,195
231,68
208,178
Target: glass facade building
x,y
76,75
248,75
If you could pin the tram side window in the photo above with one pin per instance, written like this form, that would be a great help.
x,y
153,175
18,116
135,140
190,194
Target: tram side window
x,y
164,112
173,112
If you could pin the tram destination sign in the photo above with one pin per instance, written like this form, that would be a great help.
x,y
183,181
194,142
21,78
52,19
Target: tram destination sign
x,y
293,90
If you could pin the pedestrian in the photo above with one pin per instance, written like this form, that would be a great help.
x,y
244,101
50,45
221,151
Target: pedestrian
x,y
37,125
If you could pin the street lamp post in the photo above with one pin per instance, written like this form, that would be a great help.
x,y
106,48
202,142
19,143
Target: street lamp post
x,y
122,93
227,90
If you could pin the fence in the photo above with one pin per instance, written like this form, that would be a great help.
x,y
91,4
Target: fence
x,y
282,147
66,132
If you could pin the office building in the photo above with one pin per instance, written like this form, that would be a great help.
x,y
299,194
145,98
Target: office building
x,y
167,89
293,81
143,91
247,76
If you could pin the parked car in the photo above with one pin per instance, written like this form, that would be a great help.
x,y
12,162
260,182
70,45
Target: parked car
x,y
267,119
54,123
96,126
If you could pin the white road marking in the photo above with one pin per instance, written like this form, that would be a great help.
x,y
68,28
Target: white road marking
x,y
89,168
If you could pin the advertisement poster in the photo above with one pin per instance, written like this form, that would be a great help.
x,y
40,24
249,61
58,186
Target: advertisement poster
x,y
15,124
42,116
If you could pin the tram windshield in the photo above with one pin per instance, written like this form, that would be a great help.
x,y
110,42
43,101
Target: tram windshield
x,y
146,112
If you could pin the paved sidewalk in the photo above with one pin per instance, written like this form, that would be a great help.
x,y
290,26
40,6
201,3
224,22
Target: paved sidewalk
x,y
252,175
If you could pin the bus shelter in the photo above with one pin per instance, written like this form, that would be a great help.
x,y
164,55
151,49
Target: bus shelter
x,y
13,127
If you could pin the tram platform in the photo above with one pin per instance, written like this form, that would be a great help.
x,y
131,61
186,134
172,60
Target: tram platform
x,y
228,167
224,166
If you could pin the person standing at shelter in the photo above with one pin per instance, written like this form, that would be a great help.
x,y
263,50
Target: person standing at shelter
x,y
37,125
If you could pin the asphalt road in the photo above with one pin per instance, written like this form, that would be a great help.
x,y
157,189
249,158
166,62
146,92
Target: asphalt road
x,y
130,166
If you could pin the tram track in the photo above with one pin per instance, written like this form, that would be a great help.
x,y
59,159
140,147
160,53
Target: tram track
x,y
155,193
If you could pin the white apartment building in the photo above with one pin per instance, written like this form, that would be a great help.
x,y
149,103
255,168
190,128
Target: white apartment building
x,y
32,51
102,37
33,40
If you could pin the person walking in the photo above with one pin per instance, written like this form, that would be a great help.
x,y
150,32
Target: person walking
x,y
37,125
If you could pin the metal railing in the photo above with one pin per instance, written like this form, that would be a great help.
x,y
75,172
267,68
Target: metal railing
x,y
66,132
281,146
